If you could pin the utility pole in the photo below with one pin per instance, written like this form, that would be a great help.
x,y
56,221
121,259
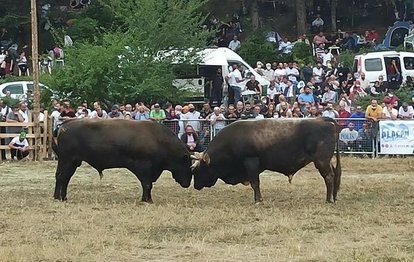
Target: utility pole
x,y
35,65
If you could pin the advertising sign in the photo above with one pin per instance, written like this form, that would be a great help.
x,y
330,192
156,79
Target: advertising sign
x,y
396,137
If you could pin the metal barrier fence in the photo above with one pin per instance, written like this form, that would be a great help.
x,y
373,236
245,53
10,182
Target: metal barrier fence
x,y
357,136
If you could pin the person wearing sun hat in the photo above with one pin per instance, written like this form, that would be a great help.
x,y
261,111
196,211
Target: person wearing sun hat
x,y
19,147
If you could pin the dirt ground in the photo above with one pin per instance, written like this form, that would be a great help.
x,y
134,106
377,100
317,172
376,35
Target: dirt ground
x,y
104,220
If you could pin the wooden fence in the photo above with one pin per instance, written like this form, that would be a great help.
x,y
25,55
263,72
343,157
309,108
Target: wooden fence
x,y
45,142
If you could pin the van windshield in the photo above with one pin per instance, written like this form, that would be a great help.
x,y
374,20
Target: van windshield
x,y
373,64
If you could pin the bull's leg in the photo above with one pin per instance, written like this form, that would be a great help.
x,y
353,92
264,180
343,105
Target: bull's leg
x,y
58,186
252,170
146,192
327,173
64,178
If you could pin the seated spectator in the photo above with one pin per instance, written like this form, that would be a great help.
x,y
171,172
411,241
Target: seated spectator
x,y
259,68
239,109
319,39
127,115
284,110
290,92
330,111
326,57
235,44
318,73
379,86
217,120
303,39
273,91
271,111
329,96
115,113
365,85
285,46
313,112
254,85
317,24
19,147
356,91
405,112
389,112
157,114
190,139
247,112
306,97
257,114
342,113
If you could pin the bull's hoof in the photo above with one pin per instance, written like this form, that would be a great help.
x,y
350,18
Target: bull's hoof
x,y
146,201
259,202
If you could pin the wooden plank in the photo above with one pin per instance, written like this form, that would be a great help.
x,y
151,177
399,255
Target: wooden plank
x,y
10,135
8,148
16,124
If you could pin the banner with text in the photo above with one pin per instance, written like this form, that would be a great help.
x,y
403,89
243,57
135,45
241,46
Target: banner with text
x,y
396,137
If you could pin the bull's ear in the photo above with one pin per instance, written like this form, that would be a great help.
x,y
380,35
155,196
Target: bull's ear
x,y
206,158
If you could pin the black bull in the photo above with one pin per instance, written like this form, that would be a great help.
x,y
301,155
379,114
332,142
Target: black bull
x,y
244,149
145,148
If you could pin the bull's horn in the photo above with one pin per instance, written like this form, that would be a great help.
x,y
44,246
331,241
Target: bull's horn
x,y
194,157
206,158
195,165
290,178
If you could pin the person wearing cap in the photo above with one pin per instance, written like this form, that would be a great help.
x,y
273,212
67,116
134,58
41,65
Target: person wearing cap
x,y
115,113
157,114
405,112
19,147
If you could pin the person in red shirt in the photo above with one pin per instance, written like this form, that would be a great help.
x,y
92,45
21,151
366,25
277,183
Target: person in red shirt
x,y
342,113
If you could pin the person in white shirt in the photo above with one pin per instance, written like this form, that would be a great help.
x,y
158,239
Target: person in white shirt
x,y
292,73
405,112
318,73
285,46
280,71
272,90
191,118
24,112
217,119
236,83
317,24
388,112
268,73
235,44
19,147
326,56
99,113
257,113
365,85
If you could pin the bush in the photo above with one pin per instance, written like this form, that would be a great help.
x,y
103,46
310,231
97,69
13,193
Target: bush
x,y
255,48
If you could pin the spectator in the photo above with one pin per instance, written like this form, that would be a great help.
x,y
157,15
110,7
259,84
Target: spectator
x,y
365,85
374,113
254,85
329,96
284,110
379,86
320,39
19,147
358,114
259,68
235,44
247,112
285,46
99,113
364,140
303,39
342,113
257,113
216,87
330,111
393,74
268,73
24,112
305,97
289,92
127,115
356,91
307,72
115,113
405,112
157,114
128,108
389,112
292,73
348,138
239,109
313,112
317,24
231,113
273,91
192,117
326,57
179,115
205,111
318,73
280,71
271,111
217,120
236,80
190,139
9,63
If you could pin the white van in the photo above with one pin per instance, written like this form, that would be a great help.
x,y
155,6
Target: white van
x,y
210,60
375,64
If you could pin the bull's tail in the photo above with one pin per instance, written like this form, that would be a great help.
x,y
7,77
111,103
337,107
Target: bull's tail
x,y
337,170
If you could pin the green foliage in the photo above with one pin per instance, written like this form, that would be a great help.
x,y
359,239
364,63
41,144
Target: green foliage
x,y
83,29
302,54
404,93
347,59
255,48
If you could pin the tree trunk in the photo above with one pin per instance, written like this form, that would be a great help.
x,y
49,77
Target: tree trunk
x,y
300,17
255,15
334,4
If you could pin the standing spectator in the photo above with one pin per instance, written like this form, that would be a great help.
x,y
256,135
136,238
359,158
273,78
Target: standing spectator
x,y
4,111
99,113
273,91
358,114
280,71
405,112
374,113
115,113
236,82
257,114
292,73
192,118
9,63
190,139
217,120
348,138
231,113
268,73
364,140
22,64
206,111
19,147
317,24
235,44
342,113
216,87
157,114
179,115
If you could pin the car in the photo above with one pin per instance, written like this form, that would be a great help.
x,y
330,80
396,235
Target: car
x,y
19,89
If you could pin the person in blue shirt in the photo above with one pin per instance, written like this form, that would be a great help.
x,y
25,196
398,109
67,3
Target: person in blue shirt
x,y
306,97
359,113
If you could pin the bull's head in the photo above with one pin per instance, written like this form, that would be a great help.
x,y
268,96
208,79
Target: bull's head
x,y
201,170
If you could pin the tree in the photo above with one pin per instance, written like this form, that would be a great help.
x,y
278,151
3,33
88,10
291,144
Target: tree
x,y
123,66
334,4
300,17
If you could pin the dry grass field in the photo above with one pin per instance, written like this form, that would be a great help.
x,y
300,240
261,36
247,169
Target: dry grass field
x,y
104,221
